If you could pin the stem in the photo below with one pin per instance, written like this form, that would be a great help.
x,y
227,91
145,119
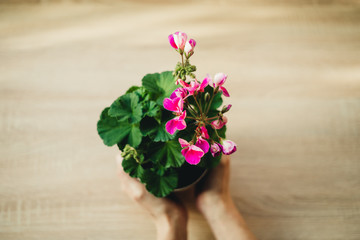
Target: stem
x,y
191,118
212,118
182,60
192,112
190,107
210,102
216,132
199,106
194,139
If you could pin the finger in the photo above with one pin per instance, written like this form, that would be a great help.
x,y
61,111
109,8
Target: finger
x,y
120,169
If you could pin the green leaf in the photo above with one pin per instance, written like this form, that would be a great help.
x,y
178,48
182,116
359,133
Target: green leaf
x,y
113,131
161,134
132,89
127,107
135,136
161,85
168,154
160,186
222,132
208,161
217,101
133,168
150,127
151,109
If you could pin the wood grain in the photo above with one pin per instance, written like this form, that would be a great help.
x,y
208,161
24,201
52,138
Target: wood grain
x,y
294,81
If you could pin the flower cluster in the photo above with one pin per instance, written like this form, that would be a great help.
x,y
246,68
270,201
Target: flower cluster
x,y
190,103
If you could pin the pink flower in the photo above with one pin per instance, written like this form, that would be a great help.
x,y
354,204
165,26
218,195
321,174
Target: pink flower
x,y
215,149
203,85
189,47
204,132
228,147
178,40
219,80
219,123
179,92
182,83
192,153
194,85
203,144
177,123
175,105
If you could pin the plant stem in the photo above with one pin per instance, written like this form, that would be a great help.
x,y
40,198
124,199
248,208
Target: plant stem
x,y
216,133
199,106
210,102
191,111
212,118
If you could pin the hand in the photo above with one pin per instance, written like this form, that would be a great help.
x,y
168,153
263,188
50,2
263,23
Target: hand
x,y
170,215
215,187
214,201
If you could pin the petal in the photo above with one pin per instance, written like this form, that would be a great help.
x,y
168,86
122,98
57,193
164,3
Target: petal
x,y
180,40
183,38
184,84
182,116
218,124
184,151
183,142
203,144
215,149
187,48
204,132
203,85
180,124
228,147
220,79
171,126
174,105
179,92
193,87
171,40
194,155
192,43
225,92
169,104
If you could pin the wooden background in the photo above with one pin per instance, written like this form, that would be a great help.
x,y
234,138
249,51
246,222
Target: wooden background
x,y
294,80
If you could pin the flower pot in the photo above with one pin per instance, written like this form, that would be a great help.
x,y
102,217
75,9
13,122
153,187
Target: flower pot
x,y
189,175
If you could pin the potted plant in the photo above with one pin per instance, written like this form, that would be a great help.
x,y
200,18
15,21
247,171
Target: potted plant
x,y
171,129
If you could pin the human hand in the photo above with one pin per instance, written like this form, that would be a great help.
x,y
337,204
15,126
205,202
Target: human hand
x,y
214,188
214,201
169,214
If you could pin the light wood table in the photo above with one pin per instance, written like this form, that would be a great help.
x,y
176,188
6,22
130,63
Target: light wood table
x,y
294,81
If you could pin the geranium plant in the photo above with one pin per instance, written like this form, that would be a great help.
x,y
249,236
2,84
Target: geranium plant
x,y
172,127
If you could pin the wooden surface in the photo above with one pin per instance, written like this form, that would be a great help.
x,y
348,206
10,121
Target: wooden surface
x,y
294,80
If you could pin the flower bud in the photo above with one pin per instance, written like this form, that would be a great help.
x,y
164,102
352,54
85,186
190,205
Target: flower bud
x,y
215,149
226,108
189,48
228,147
207,97
218,124
178,41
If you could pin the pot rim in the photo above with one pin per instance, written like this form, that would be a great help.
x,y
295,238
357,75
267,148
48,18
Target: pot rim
x,y
191,184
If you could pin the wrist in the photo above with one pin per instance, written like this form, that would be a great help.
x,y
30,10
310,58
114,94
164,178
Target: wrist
x,y
214,208
208,202
171,225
